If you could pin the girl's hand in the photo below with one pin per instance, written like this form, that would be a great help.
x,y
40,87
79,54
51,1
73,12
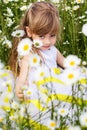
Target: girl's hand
x,y
19,94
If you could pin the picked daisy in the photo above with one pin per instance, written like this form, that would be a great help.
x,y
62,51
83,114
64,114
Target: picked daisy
x,y
71,76
84,29
63,112
24,47
18,33
28,92
34,60
37,43
71,61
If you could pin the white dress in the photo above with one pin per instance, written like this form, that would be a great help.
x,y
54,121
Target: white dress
x,y
52,92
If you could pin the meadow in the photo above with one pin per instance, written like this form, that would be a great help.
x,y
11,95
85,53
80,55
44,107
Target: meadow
x,y
73,42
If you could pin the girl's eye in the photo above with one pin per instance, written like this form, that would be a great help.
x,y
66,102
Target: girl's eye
x,y
42,37
53,35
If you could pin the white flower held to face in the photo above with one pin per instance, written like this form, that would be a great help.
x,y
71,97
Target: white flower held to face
x,y
24,47
84,29
37,43
71,61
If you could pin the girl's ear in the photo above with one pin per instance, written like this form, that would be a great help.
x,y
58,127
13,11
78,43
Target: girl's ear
x,y
29,34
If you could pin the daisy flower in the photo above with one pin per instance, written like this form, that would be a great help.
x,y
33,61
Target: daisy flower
x,y
51,124
9,11
37,43
18,33
84,63
41,73
24,47
74,128
8,43
23,8
71,76
84,29
28,92
76,7
79,1
55,1
71,61
6,1
83,119
63,112
34,60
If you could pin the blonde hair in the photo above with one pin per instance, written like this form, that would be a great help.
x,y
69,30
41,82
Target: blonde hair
x,y
41,18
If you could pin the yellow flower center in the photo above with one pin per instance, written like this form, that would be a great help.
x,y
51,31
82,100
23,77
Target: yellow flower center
x,y
37,44
52,124
56,70
72,63
86,120
26,47
79,0
42,74
83,81
29,93
70,76
35,60
6,99
62,111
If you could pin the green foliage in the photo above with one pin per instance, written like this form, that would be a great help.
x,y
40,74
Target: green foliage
x,y
71,19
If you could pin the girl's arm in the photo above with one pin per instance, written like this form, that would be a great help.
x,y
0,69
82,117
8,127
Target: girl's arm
x,y
22,77
60,59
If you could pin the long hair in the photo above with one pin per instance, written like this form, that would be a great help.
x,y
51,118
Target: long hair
x,y
41,18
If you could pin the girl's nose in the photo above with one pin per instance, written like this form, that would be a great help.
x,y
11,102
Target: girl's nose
x,y
48,41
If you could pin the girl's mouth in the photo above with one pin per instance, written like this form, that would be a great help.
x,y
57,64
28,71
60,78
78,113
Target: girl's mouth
x,y
46,47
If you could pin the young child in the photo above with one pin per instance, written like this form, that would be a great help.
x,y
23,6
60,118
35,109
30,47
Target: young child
x,y
41,23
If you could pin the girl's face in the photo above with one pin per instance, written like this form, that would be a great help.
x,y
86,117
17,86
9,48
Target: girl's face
x,y
48,40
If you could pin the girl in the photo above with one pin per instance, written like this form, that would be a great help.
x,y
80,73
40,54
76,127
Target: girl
x,y
41,23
